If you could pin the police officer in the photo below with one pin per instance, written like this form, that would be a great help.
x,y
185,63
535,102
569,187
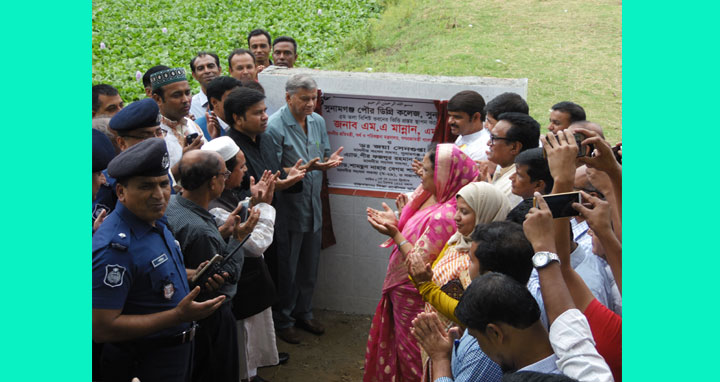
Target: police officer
x,y
133,124
143,308
102,153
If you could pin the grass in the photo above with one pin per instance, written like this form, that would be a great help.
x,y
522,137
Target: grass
x,y
131,32
569,50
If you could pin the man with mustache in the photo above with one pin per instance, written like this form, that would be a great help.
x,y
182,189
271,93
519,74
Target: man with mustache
x,y
204,67
171,91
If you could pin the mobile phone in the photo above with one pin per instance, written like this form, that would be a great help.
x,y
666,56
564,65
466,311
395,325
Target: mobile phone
x,y
561,204
207,270
616,153
582,150
190,138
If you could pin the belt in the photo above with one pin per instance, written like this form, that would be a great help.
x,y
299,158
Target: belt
x,y
178,339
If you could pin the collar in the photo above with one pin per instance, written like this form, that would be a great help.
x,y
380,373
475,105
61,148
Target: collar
x,y
289,120
577,256
137,226
473,136
202,98
194,208
173,124
244,138
545,365
224,125
503,171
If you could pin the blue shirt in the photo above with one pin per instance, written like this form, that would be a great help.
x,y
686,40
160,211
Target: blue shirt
x,y
105,199
137,268
470,363
591,269
202,122
290,144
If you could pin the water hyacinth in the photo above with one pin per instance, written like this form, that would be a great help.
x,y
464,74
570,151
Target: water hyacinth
x,y
319,12
102,45
164,30
138,75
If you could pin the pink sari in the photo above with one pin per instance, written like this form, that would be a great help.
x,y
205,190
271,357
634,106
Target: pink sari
x,y
392,354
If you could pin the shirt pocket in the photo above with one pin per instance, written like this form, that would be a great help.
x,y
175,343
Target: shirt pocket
x,y
164,281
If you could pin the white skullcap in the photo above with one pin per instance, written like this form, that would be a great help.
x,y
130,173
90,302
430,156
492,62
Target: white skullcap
x,y
224,146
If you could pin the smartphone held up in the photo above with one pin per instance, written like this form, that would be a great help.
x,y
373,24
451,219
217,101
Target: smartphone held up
x,y
583,150
560,205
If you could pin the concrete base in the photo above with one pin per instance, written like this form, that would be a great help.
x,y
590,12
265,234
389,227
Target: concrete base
x,y
351,272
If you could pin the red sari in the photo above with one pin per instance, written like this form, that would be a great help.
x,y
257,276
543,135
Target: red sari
x,y
392,353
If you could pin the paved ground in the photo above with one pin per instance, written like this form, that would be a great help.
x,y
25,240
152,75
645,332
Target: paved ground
x,y
336,356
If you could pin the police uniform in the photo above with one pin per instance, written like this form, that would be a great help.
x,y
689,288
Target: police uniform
x,y
137,115
102,153
139,269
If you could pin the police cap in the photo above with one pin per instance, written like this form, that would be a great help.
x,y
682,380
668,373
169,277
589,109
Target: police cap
x,y
147,158
102,151
139,114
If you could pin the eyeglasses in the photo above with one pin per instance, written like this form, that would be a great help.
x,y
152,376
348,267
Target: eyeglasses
x,y
159,133
494,138
225,174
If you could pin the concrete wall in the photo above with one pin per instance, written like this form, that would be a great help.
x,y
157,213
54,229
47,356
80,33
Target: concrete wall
x,y
351,273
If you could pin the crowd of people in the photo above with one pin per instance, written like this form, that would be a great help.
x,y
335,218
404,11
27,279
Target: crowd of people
x,y
207,228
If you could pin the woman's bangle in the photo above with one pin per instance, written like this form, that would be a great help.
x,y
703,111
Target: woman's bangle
x,y
402,243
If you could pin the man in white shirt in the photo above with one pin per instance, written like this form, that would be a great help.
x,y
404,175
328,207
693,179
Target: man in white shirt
x,y
171,91
466,116
204,67
465,119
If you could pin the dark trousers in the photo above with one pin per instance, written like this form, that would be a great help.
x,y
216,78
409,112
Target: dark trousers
x,y
123,361
216,348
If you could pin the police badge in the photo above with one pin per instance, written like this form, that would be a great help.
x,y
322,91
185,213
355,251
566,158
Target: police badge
x,y
168,291
114,275
165,161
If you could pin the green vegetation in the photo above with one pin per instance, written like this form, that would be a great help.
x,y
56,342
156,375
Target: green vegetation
x,y
569,50
132,33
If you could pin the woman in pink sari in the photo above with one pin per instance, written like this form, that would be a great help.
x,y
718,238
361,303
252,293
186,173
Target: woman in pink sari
x,y
426,223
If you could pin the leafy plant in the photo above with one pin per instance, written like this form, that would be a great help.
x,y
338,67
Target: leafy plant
x,y
131,36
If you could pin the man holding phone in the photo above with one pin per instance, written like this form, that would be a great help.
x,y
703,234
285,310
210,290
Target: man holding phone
x,y
143,308
171,91
562,151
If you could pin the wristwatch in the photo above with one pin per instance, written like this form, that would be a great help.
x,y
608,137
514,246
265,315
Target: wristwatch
x,y
543,259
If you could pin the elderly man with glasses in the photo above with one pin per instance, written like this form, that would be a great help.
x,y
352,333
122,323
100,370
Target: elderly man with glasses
x,y
511,135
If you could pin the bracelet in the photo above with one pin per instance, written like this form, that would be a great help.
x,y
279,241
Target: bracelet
x,y
403,243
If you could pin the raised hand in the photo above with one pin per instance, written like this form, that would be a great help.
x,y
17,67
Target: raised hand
x,y
539,227
561,155
228,227
385,221
430,334
417,167
99,219
400,201
189,310
213,126
602,157
597,217
246,228
263,190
